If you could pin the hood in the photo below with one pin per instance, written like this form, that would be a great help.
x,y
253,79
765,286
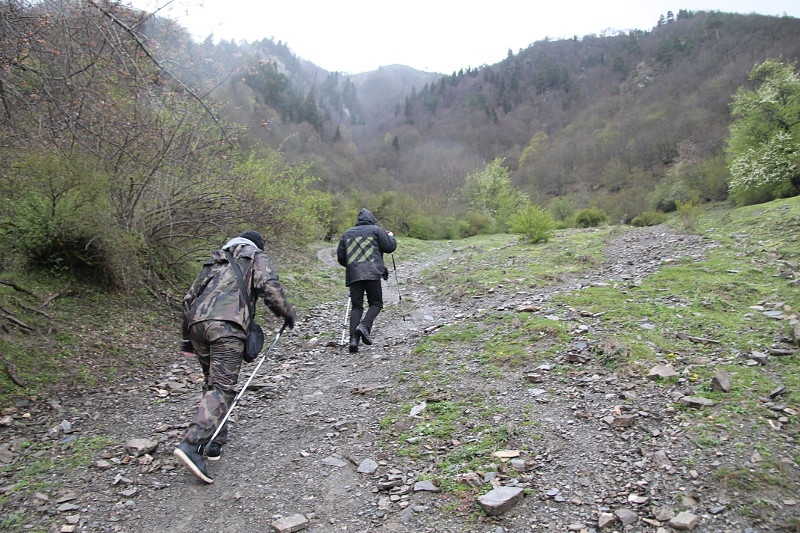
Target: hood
x,y
365,218
236,241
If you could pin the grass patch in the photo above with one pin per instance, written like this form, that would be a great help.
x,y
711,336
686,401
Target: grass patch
x,y
485,263
48,459
507,340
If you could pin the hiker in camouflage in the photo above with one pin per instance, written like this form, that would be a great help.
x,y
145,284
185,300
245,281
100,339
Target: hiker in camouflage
x,y
361,250
216,317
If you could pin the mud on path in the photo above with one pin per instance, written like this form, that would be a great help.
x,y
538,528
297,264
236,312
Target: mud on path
x,y
315,414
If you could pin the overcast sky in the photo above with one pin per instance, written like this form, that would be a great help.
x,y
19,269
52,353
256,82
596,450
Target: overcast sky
x,y
442,36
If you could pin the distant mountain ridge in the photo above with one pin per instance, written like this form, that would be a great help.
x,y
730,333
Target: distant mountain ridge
x,y
607,120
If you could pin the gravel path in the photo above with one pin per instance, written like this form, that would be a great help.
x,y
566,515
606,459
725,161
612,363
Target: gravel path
x,y
314,417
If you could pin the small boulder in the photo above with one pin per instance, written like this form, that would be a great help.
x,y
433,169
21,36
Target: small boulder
x,y
626,516
367,466
139,447
662,372
685,521
499,500
696,401
426,485
721,381
290,524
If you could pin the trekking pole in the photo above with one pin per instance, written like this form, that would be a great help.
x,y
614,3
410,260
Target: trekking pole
x,y
241,392
399,294
344,324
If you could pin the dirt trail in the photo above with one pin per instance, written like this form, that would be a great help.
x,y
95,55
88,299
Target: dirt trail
x,y
283,456
299,438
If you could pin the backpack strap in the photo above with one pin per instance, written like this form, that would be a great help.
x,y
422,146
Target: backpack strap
x,y
237,272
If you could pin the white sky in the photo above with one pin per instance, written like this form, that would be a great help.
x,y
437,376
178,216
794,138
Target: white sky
x,y
442,36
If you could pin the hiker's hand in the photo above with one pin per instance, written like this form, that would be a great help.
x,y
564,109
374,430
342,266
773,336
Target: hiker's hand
x,y
187,348
289,319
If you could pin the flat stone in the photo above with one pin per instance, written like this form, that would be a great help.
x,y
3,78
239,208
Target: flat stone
x,y
290,524
472,479
662,372
119,479
506,454
661,460
139,447
685,521
66,507
426,485
367,466
575,358
334,461
777,392
626,516
390,484
664,513
637,498
499,500
606,520
519,465
623,421
7,456
696,401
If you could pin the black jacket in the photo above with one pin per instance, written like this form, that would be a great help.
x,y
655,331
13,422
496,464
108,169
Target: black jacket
x,y
361,249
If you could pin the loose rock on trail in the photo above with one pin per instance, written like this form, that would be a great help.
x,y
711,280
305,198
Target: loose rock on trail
x,y
307,451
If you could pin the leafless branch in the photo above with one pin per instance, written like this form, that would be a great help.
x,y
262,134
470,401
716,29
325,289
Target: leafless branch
x,y
134,35
16,287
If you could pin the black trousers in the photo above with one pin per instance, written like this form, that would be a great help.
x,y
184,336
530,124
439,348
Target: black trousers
x,y
374,293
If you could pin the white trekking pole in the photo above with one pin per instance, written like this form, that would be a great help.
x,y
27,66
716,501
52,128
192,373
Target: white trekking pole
x,y
344,325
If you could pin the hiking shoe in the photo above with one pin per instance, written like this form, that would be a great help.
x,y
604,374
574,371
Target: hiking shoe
x,y
361,329
193,460
353,344
213,451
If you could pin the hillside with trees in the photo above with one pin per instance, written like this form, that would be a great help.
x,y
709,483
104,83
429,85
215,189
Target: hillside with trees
x,y
614,378
601,121
129,147
627,122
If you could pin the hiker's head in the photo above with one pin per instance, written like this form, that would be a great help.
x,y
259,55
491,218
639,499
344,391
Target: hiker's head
x,y
365,217
255,237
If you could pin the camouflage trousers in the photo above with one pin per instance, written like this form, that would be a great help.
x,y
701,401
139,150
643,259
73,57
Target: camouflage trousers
x,y
219,347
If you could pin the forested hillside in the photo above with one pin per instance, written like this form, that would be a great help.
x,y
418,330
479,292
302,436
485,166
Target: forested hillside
x,y
129,147
601,120
664,358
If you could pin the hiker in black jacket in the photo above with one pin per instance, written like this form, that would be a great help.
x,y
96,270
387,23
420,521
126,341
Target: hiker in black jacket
x,y
361,250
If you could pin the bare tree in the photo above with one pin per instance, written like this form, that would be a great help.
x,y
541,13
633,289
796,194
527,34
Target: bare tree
x,y
90,79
